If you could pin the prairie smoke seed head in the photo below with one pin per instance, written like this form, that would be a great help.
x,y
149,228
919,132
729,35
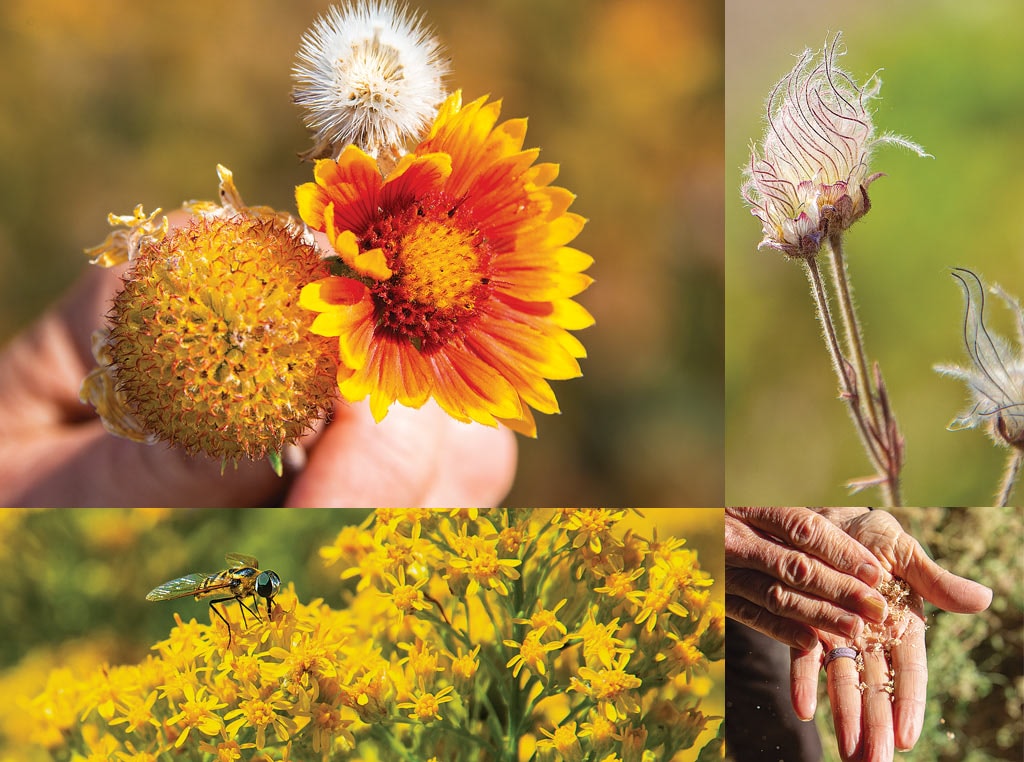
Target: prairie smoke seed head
x,y
369,74
995,378
207,347
809,179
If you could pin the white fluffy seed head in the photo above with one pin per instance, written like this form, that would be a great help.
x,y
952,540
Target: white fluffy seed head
x,y
369,74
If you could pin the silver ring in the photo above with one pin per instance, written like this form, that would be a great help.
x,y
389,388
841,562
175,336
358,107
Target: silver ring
x,y
839,653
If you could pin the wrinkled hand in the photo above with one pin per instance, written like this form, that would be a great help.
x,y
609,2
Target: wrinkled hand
x,y
55,452
870,725
791,573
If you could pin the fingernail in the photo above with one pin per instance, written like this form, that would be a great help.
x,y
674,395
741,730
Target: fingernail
x,y
869,574
806,640
876,609
850,625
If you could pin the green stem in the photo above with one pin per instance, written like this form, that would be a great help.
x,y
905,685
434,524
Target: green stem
x,y
851,325
849,392
1010,476
867,401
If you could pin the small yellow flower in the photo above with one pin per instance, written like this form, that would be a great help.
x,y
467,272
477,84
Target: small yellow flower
x,y
308,659
422,660
226,751
135,713
655,602
196,711
260,712
565,741
532,653
591,527
427,707
600,644
484,567
102,748
404,597
614,689
464,668
684,655
599,731
370,695
326,722
619,585
543,620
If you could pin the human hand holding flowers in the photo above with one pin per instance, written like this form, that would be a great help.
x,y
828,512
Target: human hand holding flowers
x,y
54,450
878,701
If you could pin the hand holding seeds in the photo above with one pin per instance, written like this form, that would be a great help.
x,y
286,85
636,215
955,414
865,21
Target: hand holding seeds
x,y
791,572
878,695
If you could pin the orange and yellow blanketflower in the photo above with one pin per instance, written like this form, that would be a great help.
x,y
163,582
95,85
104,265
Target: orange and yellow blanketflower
x,y
536,662
455,280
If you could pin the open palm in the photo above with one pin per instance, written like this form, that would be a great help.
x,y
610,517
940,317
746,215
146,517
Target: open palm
x,y
878,701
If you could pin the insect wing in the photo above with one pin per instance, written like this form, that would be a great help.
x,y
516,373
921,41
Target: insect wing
x,y
178,588
238,560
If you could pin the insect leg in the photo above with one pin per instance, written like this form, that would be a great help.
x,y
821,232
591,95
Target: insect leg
x,y
245,608
222,617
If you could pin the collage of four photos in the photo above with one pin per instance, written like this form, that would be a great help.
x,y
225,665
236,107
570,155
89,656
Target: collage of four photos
x,y
749,267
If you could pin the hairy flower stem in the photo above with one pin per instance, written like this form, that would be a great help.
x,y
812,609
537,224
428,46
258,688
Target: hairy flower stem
x,y
867,405
1010,475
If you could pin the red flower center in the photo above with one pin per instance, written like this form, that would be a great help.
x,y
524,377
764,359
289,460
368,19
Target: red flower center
x,y
441,262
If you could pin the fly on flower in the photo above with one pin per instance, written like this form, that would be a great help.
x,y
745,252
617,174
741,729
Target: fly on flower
x,y
238,582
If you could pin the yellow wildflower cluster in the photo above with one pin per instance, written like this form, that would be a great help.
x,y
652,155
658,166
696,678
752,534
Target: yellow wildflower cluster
x,y
498,635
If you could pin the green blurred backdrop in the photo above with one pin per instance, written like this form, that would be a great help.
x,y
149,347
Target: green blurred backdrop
x,y
953,81
107,104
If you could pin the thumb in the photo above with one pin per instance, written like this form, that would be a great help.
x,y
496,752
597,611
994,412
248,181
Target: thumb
x,y
940,586
54,450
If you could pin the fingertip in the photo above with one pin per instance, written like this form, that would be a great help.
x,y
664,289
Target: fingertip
x,y
805,711
906,731
805,640
985,594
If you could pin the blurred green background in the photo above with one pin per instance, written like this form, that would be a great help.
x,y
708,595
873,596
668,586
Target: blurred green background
x,y
953,81
75,583
107,104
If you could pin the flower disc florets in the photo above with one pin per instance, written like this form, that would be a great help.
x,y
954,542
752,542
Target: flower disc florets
x,y
454,280
369,75
810,179
207,347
